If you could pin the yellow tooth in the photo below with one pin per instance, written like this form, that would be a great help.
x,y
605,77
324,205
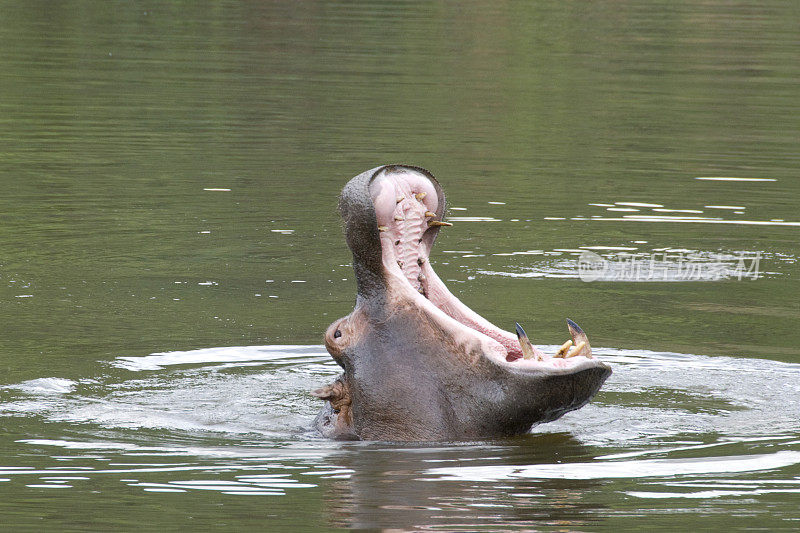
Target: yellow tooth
x,y
400,199
383,228
580,339
576,350
527,349
525,344
438,223
398,217
420,195
430,214
563,350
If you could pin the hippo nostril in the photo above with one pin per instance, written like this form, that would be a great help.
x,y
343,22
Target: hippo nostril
x,y
337,334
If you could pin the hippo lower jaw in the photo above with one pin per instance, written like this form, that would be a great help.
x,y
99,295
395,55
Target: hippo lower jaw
x,y
418,363
405,204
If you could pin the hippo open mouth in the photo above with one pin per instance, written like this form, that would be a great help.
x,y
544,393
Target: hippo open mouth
x,y
407,209
418,363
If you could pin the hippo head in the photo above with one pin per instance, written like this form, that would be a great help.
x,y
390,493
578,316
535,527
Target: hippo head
x,y
419,364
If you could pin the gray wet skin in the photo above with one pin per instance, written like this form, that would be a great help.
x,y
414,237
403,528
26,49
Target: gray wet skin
x,y
418,364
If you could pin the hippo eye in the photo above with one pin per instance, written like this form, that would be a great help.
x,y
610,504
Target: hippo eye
x,y
336,411
337,334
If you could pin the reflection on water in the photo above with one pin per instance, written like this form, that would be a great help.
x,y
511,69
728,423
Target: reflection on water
x,y
697,220
663,426
734,179
629,264
628,469
641,209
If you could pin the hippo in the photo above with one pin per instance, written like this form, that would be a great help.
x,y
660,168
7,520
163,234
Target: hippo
x,y
418,364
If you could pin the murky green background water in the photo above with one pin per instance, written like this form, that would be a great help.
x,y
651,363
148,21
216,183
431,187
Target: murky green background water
x,y
117,118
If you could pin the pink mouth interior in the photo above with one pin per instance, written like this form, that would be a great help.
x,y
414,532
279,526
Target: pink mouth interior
x,y
404,201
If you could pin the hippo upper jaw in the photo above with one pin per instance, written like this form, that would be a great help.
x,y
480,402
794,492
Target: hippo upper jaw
x,y
419,364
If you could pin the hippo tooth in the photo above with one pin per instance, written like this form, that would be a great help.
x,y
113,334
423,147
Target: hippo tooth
x,y
524,343
398,217
420,260
582,346
421,277
420,195
438,223
400,199
383,228
563,350
576,350
430,214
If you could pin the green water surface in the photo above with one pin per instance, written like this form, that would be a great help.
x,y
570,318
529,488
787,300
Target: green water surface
x,y
119,119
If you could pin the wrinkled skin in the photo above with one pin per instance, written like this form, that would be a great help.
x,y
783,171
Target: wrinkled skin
x,y
418,364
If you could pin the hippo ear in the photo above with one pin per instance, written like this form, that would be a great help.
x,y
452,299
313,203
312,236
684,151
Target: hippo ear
x,y
334,392
328,392
337,393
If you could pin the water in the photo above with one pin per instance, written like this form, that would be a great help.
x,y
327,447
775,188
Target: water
x,y
224,426
171,256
